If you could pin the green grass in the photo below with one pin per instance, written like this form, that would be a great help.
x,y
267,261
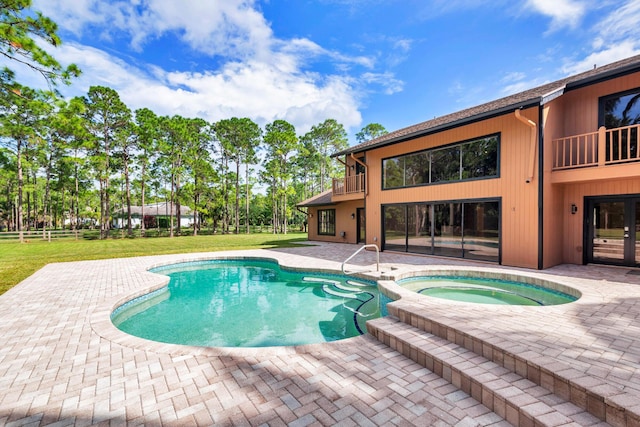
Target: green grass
x,y
19,260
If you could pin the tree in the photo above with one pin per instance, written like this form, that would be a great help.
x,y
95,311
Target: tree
x,y
19,116
18,27
146,131
126,145
197,162
176,136
106,117
70,135
323,139
240,138
281,142
370,131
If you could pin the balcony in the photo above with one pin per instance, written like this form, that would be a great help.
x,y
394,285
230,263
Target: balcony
x,y
596,156
349,188
601,148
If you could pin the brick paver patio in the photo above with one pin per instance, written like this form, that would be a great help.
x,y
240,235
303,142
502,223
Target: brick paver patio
x,y
62,362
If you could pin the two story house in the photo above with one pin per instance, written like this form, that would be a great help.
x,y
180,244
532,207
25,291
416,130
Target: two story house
x,y
547,176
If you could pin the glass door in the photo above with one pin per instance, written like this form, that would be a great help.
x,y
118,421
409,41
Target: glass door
x,y
636,234
614,235
362,226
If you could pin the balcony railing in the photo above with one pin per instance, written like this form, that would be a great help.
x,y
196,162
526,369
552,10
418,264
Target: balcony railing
x,y
348,185
604,147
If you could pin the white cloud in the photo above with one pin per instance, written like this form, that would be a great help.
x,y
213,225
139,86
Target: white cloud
x,y
620,24
605,56
562,12
230,27
387,80
243,89
256,74
617,36
514,76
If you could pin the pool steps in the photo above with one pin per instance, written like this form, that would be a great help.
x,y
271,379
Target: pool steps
x,y
532,391
333,287
351,290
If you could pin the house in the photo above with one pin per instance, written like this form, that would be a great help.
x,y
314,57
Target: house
x,y
547,176
157,214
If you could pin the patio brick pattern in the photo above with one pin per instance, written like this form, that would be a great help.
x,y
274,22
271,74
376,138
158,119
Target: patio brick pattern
x,y
63,363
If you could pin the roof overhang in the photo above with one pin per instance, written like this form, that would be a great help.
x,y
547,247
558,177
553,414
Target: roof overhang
x,y
534,102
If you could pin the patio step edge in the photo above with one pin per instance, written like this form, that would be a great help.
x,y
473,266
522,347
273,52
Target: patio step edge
x,y
603,400
516,399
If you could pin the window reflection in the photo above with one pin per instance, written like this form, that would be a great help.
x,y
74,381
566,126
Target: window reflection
x,y
470,160
454,229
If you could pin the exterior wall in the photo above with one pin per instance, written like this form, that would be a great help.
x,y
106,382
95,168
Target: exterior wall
x,y
554,211
574,227
344,222
574,113
519,217
580,107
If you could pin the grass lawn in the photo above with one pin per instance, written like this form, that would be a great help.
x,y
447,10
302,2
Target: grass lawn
x,y
19,260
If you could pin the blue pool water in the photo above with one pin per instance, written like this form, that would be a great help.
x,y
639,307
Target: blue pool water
x,y
485,291
249,303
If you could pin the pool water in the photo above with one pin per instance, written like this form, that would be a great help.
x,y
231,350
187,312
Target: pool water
x,y
249,303
485,291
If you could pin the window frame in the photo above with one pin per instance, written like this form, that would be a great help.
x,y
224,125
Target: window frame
x,y
429,153
329,222
433,219
603,99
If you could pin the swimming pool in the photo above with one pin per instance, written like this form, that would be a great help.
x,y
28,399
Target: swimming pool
x,y
484,290
249,303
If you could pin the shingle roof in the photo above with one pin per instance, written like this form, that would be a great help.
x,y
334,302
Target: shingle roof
x,y
321,199
535,96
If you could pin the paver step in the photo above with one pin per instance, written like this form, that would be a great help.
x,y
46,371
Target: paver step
x,y
518,400
595,395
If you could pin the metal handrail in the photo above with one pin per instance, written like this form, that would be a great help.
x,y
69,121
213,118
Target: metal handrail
x,y
372,245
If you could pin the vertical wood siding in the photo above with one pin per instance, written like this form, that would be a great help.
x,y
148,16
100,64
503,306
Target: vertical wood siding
x,y
344,222
574,113
519,199
574,224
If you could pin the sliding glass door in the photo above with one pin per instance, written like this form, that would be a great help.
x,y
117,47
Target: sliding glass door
x,y
466,229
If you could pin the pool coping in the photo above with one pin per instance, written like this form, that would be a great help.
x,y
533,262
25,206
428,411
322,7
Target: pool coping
x,y
103,326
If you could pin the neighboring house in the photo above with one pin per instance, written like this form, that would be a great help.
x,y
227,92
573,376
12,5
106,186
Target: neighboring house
x,y
157,214
543,177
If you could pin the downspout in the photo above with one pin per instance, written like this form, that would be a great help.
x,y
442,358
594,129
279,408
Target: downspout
x,y
366,174
532,144
541,191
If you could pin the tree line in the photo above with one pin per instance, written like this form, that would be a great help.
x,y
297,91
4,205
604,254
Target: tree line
x,y
75,162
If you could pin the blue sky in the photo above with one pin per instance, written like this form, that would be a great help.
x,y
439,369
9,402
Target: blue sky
x,y
393,62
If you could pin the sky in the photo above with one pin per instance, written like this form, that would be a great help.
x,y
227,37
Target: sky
x,y
393,62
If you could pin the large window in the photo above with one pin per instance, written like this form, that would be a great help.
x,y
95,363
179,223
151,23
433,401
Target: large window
x,y
620,111
327,222
474,159
462,229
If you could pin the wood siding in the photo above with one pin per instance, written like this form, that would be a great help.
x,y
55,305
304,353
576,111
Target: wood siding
x,y
574,113
578,109
573,225
519,220
344,222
